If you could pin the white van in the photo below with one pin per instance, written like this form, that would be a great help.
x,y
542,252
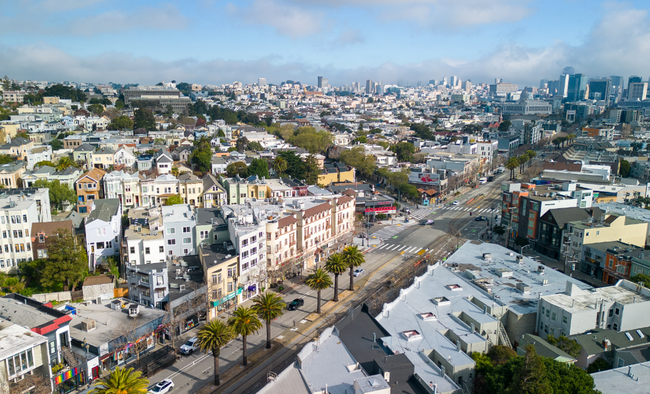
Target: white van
x,y
482,181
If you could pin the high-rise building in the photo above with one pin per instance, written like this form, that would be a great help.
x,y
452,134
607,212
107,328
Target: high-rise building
x,y
600,89
637,91
322,82
261,81
563,85
633,79
617,81
454,81
433,82
370,86
543,83
577,89
356,88
569,70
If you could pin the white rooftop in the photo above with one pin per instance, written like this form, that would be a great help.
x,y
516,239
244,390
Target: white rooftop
x,y
626,210
633,379
499,275
624,292
15,339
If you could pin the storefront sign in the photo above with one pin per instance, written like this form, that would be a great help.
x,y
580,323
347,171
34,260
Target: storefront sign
x,y
226,298
66,375
382,210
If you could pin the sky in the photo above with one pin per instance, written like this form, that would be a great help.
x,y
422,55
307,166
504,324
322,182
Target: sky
x,y
217,42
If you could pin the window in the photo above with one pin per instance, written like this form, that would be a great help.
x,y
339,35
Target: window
x,y
100,245
564,320
617,311
160,280
187,240
186,251
615,326
231,272
186,229
553,316
611,313
171,242
171,231
543,310
147,251
548,313
161,249
4,234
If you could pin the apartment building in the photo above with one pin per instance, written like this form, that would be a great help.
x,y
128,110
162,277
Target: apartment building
x,y
11,174
220,264
18,147
613,259
19,210
213,194
24,359
103,231
144,240
38,154
103,158
89,189
179,223
13,96
238,190
552,225
621,307
190,188
281,244
148,284
211,228
124,187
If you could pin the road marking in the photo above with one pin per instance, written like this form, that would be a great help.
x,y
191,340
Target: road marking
x,y
381,246
402,247
421,252
413,249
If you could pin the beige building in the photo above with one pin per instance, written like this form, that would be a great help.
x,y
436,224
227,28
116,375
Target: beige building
x,y
281,245
221,274
10,174
191,189
610,228
50,100
103,158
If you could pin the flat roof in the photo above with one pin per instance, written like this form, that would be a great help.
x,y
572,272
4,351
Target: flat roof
x,y
15,339
583,300
618,380
499,276
626,210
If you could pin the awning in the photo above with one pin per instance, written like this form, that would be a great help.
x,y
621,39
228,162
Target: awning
x,y
252,288
226,298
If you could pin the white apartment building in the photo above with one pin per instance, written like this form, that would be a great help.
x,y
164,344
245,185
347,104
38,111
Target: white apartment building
x,y
103,231
179,222
19,209
122,186
144,240
488,150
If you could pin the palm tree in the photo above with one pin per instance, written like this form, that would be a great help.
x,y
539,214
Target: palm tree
x,y
213,336
64,162
336,266
531,155
353,257
244,322
522,162
512,164
175,171
268,306
121,381
318,280
280,165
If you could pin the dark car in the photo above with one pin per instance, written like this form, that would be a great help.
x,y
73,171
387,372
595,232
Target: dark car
x,y
490,178
481,219
295,304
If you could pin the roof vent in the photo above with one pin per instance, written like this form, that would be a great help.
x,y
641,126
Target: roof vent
x,y
88,325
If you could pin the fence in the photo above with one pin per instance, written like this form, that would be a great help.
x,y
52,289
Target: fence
x,y
58,296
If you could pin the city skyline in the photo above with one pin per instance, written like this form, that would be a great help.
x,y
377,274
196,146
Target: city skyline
x,y
414,41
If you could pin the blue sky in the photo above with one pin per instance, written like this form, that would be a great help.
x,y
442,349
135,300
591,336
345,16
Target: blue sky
x,y
214,41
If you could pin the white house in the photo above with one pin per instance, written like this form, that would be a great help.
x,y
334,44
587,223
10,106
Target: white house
x,y
103,231
38,154
124,157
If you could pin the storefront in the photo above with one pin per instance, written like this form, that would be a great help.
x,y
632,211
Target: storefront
x,y
224,303
69,380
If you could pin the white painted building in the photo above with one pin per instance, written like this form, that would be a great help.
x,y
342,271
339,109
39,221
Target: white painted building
x,y
103,231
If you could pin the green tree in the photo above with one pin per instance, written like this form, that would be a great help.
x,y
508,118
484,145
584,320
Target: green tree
x,y
59,192
254,146
6,159
241,144
563,378
268,306
512,165
121,381
279,165
244,322
202,155
169,111
505,125
641,278
357,158
221,134
336,265
22,134
295,166
531,154
312,140
259,167
311,170
499,230
567,345
352,257
319,280
422,131
522,162
600,364
174,200
122,122
64,162
212,337
531,377
625,168
96,109
67,262
56,144
143,118
237,168
404,151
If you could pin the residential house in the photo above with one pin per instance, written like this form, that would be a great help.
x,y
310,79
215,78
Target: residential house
x,y
18,147
73,141
123,186
164,162
182,153
84,154
44,233
148,284
191,189
179,222
144,162
10,174
210,227
24,359
143,239
239,189
220,264
66,176
89,189
336,172
616,264
103,158
552,225
611,345
281,244
299,187
218,164
544,349
22,208
103,231
213,194
124,157
38,154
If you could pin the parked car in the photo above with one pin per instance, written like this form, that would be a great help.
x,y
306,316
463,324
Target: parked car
x,y
358,271
481,218
455,203
295,304
483,181
161,388
490,178
190,346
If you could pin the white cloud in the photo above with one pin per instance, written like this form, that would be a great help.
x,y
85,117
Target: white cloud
x,y
348,37
290,21
164,17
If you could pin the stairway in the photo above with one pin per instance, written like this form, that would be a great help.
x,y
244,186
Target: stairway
x,y
69,357
503,336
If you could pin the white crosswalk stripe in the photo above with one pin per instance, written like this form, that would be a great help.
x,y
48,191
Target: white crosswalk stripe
x,y
381,246
400,249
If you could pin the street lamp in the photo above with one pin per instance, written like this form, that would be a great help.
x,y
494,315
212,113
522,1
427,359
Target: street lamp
x,y
521,251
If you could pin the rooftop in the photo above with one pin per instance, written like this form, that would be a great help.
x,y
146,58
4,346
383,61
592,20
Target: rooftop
x,y
579,300
177,213
15,339
499,273
104,210
216,254
632,379
209,216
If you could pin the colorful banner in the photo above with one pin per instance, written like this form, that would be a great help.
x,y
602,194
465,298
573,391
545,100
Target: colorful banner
x,y
382,209
66,375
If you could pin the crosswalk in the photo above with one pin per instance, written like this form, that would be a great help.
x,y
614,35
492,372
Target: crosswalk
x,y
467,209
405,249
421,213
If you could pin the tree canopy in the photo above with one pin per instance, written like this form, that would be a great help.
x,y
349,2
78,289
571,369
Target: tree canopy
x,y
174,200
311,140
121,123
59,192
404,151
259,167
202,155
143,118
357,158
237,168
422,131
67,262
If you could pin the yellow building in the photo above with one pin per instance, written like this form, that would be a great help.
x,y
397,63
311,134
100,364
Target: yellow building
x,y
333,173
190,188
50,100
220,267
